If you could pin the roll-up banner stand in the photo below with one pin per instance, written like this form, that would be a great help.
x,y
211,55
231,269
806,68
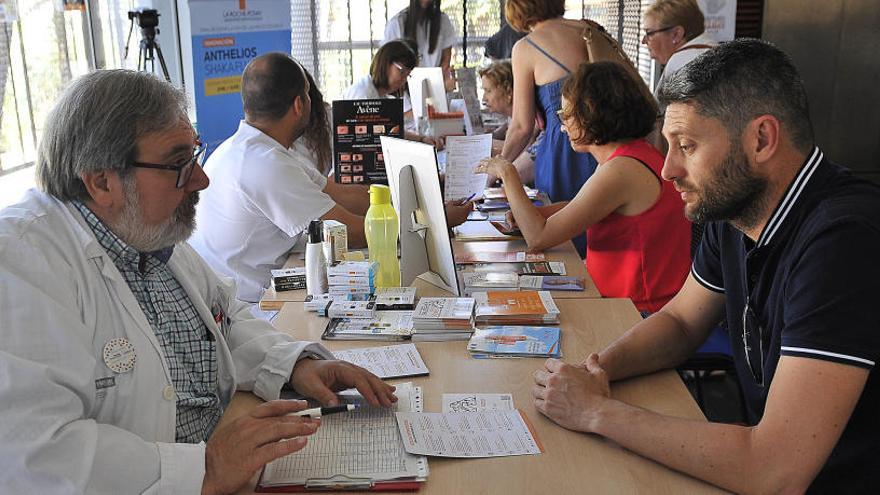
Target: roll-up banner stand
x,y
226,35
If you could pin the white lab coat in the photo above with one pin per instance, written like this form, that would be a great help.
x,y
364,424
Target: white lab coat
x,y
61,300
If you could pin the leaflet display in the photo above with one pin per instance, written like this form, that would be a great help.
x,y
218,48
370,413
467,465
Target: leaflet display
x,y
357,127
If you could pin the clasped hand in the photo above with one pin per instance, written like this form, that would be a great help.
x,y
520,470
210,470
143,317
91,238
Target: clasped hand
x,y
571,395
239,448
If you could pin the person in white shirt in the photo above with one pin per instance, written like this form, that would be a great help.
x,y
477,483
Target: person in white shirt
x,y
263,197
675,34
430,28
389,71
121,348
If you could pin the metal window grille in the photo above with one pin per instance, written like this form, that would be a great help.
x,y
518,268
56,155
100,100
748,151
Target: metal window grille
x,y
42,47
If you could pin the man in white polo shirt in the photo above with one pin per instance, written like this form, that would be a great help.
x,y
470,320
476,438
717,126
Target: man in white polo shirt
x,y
262,196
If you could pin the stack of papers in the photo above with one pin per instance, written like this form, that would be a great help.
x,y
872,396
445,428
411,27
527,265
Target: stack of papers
x,y
498,257
395,298
391,361
481,231
350,309
385,325
352,280
536,282
289,279
468,434
443,318
483,281
522,268
515,308
498,193
358,450
500,204
515,341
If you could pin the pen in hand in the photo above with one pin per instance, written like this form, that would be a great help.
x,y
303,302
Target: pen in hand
x,y
464,201
317,412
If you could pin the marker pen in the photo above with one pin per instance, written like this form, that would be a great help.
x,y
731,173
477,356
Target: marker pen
x,y
317,412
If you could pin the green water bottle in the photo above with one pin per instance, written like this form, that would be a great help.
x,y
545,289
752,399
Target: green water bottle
x,y
381,228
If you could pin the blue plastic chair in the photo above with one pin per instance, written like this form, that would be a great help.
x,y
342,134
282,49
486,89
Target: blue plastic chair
x,y
714,355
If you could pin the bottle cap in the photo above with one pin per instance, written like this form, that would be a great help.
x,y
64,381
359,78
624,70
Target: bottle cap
x,y
316,231
380,194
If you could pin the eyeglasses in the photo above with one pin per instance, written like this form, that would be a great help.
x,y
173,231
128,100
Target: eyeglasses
x,y
403,70
650,33
751,326
184,170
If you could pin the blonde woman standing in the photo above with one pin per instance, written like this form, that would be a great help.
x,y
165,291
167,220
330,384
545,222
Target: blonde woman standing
x,y
675,34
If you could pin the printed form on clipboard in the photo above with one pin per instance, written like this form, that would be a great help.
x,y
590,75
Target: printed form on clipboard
x,y
360,450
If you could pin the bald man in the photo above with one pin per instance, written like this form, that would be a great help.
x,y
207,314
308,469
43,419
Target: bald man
x,y
262,195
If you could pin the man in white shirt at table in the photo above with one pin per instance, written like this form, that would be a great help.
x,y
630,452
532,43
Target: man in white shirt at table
x,y
120,347
262,197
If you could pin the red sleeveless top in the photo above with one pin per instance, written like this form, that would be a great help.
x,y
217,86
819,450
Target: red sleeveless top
x,y
644,257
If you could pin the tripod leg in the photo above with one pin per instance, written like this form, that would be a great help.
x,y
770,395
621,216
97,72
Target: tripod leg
x,y
162,62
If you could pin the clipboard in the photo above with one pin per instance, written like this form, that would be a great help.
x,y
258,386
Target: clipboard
x,y
343,483
325,466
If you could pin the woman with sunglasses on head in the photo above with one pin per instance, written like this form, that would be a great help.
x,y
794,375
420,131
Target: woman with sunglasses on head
x,y
388,72
675,34
387,79
637,236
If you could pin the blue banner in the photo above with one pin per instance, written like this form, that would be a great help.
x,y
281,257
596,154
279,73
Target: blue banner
x,y
226,35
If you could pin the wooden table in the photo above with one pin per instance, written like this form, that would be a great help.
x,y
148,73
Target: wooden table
x,y
572,462
574,266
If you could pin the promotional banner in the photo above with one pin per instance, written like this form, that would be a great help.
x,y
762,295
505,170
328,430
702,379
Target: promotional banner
x,y
226,35
720,18
357,127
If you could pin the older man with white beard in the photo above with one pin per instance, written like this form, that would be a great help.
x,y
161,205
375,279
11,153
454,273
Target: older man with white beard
x,y
120,347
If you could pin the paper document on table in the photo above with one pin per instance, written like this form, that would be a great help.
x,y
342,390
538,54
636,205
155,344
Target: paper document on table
x,y
480,231
362,446
468,434
391,361
463,153
455,403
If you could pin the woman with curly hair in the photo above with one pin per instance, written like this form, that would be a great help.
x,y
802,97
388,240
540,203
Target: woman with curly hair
x,y
638,240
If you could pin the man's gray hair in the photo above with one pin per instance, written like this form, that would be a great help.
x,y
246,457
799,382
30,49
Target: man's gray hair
x,y
740,80
95,125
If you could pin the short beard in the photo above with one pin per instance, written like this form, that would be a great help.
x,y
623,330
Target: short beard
x,y
131,228
735,194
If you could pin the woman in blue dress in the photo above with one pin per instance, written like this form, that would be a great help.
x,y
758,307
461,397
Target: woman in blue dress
x,y
542,61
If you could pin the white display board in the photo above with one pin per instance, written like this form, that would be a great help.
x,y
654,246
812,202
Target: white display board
x,y
424,83
425,246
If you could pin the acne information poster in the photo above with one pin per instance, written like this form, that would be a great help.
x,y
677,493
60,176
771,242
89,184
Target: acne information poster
x,y
357,127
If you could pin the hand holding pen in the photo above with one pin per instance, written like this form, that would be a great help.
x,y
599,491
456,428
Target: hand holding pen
x,y
465,201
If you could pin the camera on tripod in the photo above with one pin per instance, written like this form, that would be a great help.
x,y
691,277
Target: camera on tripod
x,y
148,21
